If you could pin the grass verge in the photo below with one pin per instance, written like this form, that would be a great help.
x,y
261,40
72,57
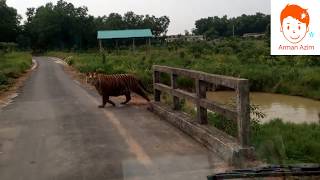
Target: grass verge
x,y
277,142
284,143
12,66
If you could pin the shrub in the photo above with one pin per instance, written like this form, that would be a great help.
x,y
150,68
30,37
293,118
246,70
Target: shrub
x,y
230,126
3,79
279,142
182,54
12,65
197,49
7,47
224,124
69,60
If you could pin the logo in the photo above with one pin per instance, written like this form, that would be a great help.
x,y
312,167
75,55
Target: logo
x,y
295,27
294,23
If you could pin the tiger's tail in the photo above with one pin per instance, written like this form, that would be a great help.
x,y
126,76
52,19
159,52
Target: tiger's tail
x,y
143,87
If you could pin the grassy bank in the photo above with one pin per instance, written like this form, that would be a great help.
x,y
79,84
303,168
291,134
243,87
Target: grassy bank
x,y
291,75
13,65
277,142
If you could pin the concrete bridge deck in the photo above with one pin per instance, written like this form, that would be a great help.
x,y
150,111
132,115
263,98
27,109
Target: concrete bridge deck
x,y
54,130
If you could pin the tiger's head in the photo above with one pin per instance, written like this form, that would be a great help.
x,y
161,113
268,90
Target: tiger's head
x,y
91,78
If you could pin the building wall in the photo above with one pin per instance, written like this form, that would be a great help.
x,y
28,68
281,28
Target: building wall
x,y
184,38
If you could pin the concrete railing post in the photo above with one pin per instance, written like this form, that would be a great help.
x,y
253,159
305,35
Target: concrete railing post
x,y
175,99
201,91
243,112
156,79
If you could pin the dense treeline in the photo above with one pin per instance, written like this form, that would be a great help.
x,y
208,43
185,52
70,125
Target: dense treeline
x,y
9,23
213,27
64,26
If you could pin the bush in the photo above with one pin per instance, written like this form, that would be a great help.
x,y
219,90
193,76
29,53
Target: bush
x,y
12,65
7,47
182,54
69,60
279,142
225,125
197,49
3,79
230,126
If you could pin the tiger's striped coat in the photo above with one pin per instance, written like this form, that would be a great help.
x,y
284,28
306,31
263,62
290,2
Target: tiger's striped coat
x,y
116,85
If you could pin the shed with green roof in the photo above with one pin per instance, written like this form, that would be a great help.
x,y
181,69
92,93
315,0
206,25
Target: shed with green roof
x,y
124,34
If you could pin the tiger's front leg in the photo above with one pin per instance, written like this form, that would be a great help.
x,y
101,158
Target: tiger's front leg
x,y
103,102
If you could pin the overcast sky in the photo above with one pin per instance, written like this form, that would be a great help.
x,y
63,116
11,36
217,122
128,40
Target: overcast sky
x,y
182,13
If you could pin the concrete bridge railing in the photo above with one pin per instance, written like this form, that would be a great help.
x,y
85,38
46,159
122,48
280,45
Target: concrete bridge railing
x,y
241,114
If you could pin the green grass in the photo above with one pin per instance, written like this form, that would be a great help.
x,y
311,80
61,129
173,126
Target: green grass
x,y
292,75
284,143
277,142
13,65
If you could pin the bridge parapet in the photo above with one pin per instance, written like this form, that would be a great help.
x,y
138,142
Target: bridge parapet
x,y
240,114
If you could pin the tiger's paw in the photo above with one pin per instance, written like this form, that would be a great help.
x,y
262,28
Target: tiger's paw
x,y
100,106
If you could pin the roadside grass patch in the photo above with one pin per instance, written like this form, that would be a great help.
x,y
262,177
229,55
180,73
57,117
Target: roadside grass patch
x,y
277,142
284,143
13,65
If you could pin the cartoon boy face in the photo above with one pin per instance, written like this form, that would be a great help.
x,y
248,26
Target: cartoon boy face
x,y
294,23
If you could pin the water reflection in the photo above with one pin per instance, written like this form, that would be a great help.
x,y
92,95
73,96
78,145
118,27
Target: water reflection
x,y
289,108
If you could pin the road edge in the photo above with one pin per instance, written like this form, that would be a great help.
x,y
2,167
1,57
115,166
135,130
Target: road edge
x,y
7,97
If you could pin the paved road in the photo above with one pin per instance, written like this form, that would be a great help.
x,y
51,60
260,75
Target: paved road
x,y
54,130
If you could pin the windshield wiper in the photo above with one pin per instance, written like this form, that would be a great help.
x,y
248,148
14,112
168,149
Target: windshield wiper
x,y
271,171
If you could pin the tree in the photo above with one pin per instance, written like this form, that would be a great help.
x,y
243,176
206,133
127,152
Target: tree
x,y
213,27
132,20
59,26
115,21
30,13
9,23
64,26
162,24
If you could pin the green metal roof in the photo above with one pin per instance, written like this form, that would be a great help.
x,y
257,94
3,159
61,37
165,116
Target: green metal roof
x,y
130,33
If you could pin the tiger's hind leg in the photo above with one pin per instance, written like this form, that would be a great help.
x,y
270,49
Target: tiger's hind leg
x,y
140,92
128,98
111,102
106,99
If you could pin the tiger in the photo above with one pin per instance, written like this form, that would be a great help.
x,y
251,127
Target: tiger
x,y
116,85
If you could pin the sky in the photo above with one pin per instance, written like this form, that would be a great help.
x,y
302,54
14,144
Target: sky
x,y
182,13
